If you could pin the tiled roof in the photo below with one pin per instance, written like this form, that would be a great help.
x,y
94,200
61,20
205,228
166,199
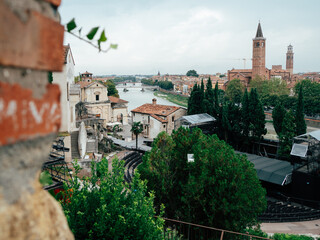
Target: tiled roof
x,y
86,73
159,118
156,109
117,100
84,83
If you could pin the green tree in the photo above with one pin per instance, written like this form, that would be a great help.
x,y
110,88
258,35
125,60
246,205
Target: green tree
x,y
271,87
287,134
214,190
235,90
112,90
278,114
192,73
103,206
166,85
136,129
195,101
216,107
257,116
309,88
245,116
209,98
81,110
301,126
202,107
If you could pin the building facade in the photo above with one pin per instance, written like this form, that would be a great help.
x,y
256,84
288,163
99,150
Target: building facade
x,y
95,96
68,97
156,118
259,63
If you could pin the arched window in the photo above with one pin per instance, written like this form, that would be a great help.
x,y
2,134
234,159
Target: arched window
x,y
258,44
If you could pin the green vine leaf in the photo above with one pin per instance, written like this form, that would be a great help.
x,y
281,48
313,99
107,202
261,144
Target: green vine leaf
x,y
71,25
92,33
102,38
114,46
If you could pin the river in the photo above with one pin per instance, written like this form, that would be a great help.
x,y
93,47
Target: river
x,y
136,97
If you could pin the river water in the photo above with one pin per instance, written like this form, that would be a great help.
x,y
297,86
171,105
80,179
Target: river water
x,y
136,97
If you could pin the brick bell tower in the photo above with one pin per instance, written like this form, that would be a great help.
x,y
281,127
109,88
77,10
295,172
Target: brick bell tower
x,y
289,61
259,55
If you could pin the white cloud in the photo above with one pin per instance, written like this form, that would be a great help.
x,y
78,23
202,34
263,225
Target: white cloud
x,y
175,36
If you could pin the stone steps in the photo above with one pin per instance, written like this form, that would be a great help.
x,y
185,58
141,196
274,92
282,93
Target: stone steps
x,y
74,145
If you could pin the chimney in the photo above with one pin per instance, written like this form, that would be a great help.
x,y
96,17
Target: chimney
x,y
154,101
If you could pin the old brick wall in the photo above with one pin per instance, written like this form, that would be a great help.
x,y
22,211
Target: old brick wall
x,y
31,44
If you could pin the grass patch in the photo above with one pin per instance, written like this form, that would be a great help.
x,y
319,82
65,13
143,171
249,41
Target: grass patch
x,y
63,134
177,99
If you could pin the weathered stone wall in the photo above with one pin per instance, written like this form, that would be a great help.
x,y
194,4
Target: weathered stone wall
x,y
31,44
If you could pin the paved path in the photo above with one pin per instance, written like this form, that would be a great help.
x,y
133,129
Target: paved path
x,y
131,144
306,227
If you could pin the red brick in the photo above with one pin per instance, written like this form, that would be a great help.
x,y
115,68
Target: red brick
x,y
24,117
35,44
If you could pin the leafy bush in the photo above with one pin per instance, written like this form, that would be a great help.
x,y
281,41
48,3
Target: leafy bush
x,y
105,207
285,236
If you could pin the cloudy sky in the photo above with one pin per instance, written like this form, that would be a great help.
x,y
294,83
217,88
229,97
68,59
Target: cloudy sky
x,y
174,36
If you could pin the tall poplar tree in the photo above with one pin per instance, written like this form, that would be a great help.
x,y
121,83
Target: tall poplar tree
x,y
301,126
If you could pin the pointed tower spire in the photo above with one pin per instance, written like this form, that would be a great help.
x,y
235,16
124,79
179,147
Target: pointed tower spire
x,y
259,31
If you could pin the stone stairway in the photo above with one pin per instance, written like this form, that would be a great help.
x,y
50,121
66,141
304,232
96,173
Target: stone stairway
x,y
74,145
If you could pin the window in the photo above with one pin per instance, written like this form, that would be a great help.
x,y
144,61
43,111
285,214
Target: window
x,y
258,44
97,97
164,126
172,119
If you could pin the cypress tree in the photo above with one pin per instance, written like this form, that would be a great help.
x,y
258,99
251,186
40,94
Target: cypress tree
x,y
191,100
256,116
202,107
245,117
287,134
209,98
216,108
300,122
278,114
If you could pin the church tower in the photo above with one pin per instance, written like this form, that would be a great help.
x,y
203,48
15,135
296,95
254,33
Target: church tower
x,y
289,62
259,55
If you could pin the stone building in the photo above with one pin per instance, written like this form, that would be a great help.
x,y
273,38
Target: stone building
x,y
259,63
110,109
156,118
70,94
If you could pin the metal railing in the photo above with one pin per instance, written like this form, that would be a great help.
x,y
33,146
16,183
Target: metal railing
x,y
174,228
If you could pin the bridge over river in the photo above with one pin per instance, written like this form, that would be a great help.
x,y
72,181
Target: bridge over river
x,y
126,85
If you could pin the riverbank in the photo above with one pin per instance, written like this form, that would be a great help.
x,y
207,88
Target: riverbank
x,y
177,99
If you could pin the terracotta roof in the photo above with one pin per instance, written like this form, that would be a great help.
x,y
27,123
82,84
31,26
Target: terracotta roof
x,y
84,83
86,73
159,118
156,109
116,100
